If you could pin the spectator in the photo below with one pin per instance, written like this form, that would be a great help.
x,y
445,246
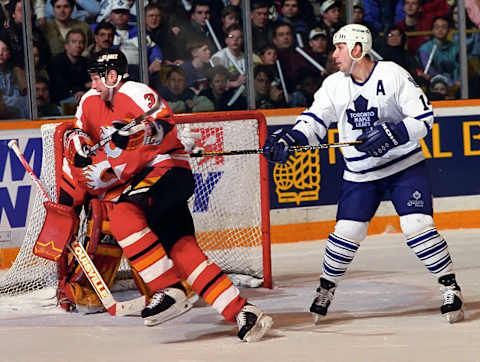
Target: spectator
x,y
103,39
292,63
159,30
13,31
318,49
69,77
307,86
83,10
439,88
262,28
268,54
106,12
46,108
197,68
217,97
358,17
232,57
266,96
415,20
230,15
13,103
40,62
444,59
330,13
196,28
58,27
290,14
176,93
393,48
126,39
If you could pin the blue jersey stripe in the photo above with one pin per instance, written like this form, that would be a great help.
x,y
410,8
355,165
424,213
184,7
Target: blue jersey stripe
x,y
387,164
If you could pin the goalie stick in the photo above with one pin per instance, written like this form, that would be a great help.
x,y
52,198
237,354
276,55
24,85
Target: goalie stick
x,y
114,307
129,125
260,150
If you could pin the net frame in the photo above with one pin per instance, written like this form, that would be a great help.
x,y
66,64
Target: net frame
x,y
38,273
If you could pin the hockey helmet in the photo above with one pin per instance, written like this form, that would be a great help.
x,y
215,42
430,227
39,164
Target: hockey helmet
x,y
352,34
109,59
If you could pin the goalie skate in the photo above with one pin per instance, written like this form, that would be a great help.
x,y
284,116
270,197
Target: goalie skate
x,y
252,323
166,304
452,299
323,298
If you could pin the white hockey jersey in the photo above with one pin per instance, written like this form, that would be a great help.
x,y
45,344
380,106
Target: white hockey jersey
x,y
388,95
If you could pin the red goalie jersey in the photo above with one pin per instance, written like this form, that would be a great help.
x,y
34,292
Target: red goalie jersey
x,y
97,117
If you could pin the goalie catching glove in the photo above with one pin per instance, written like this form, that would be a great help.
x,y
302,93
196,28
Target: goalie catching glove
x,y
76,144
378,140
145,133
276,148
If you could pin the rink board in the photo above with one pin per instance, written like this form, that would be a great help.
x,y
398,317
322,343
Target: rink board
x,y
303,200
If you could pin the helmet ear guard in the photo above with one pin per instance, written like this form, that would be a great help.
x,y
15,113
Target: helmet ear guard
x,y
352,34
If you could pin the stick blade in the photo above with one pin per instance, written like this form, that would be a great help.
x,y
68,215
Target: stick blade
x,y
128,307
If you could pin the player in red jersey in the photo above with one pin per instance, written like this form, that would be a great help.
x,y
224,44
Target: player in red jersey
x,y
150,218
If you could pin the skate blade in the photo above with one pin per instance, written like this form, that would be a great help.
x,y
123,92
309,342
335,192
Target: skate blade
x,y
263,324
455,316
317,318
172,312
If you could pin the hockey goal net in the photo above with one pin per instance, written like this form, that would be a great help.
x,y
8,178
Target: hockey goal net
x,y
230,205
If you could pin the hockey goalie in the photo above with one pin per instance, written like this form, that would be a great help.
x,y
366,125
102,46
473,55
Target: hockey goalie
x,y
135,188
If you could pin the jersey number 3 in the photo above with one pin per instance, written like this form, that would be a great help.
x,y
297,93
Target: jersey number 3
x,y
150,98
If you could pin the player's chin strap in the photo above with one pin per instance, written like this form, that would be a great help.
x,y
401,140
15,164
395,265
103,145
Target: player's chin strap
x,y
112,87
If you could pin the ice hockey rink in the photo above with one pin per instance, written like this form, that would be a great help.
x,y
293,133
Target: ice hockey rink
x,y
386,309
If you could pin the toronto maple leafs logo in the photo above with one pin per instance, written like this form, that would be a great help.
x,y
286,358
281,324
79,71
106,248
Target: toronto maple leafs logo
x,y
362,117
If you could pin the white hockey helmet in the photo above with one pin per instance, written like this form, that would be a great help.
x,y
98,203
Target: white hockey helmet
x,y
352,34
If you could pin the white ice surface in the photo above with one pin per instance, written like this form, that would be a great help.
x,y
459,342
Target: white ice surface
x,y
386,309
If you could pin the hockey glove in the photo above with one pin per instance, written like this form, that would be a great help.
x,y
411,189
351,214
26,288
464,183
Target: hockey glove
x,y
378,140
276,148
133,137
75,144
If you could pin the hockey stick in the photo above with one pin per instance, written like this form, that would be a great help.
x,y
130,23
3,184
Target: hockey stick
x,y
94,277
260,150
129,125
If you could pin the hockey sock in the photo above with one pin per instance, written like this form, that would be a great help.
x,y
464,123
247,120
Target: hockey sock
x,y
432,249
142,247
339,253
206,278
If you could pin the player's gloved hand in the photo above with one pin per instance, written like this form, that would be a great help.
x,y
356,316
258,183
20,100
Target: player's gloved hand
x,y
378,140
188,137
76,144
133,137
276,148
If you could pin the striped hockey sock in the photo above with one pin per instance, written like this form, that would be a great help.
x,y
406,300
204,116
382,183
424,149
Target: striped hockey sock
x,y
339,253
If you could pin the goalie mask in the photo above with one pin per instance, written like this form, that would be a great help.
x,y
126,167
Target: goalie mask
x,y
352,34
107,60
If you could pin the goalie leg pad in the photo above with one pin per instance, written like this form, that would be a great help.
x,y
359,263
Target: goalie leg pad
x,y
206,278
57,230
141,246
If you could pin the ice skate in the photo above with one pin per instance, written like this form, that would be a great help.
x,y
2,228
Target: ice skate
x,y
252,323
324,297
452,299
165,305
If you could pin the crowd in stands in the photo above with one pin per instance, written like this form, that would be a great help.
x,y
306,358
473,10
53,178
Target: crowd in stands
x,y
195,49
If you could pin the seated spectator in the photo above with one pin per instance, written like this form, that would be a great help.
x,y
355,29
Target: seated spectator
x,y
268,54
330,17
126,39
159,30
266,96
58,27
176,93
415,20
445,53
217,97
45,106
69,78
106,11
290,14
197,68
307,86
13,103
12,31
83,10
393,48
262,27
40,61
103,39
318,49
230,15
232,56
